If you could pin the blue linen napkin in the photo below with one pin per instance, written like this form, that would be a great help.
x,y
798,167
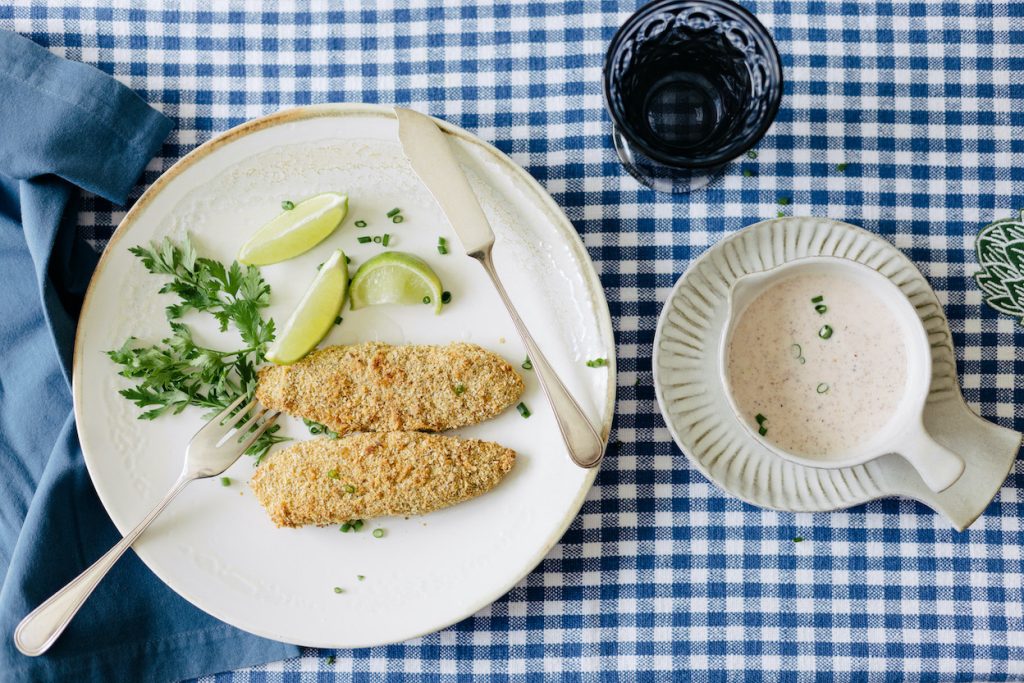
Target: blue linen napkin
x,y
65,125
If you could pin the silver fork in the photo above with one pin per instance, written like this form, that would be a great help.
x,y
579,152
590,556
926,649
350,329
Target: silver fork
x,y
213,449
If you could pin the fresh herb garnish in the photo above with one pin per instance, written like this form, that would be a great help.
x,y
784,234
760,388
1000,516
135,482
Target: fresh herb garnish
x,y
339,589
426,299
330,660
345,528
747,173
818,299
597,363
357,525
364,239
459,389
798,539
762,430
760,418
287,205
527,364
225,481
378,533
177,372
394,212
784,201
337,321
821,309
523,410
823,388
397,219
316,428
841,168
377,239
333,474
360,224
446,297
751,154
360,577
825,332
349,488
385,239
442,246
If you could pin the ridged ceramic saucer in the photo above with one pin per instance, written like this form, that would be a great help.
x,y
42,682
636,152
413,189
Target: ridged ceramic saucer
x,y
697,412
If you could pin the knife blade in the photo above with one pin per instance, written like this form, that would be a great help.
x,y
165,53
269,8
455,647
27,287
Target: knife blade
x,y
427,149
432,158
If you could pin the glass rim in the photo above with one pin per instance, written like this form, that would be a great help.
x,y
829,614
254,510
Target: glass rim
x,y
731,151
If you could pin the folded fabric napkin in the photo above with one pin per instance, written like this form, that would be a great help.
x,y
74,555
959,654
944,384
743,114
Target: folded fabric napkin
x,y
65,125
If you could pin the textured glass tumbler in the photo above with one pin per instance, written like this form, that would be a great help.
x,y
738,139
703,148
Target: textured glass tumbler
x,y
690,86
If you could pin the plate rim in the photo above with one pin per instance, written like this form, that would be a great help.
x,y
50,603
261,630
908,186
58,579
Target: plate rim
x,y
336,110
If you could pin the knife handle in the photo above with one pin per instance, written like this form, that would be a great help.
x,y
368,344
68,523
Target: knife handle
x,y
586,448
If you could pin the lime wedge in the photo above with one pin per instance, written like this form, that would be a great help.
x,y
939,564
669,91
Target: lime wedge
x,y
395,277
316,313
297,231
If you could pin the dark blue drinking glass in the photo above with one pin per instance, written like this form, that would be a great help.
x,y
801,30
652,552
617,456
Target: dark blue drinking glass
x,y
690,86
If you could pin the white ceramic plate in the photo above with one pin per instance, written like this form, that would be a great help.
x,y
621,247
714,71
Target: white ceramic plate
x,y
215,545
696,409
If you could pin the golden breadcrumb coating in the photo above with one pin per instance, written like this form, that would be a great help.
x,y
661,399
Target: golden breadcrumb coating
x,y
333,481
377,387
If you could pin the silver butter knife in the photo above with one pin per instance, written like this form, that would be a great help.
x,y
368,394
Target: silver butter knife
x,y
432,158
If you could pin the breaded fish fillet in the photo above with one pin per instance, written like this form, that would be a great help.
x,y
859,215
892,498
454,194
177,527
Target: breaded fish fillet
x,y
382,388
332,481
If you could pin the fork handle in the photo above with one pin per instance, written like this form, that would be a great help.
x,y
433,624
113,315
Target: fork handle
x,y
40,629
586,447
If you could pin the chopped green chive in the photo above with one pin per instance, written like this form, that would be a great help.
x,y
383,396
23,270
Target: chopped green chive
x,y
360,577
762,430
751,154
330,660
822,388
320,265
225,481
821,309
360,224
378,533
818,299
636,382
784,201
347,259
523,410
397,219
426,299
825,332
460,389
377,239
747,173
527,364
841,168
760,418
384,240
798,539
344,528
442,242
597,363
337,321
780,214
394,212
364,239
333,474
357,525
287,205
441,249
338,589
349,488
446,297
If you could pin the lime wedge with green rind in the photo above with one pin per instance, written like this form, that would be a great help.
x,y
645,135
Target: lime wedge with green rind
x,y
316,313
395,277
296,231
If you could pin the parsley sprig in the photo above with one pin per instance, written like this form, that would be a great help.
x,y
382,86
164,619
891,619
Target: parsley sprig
x,y
178,372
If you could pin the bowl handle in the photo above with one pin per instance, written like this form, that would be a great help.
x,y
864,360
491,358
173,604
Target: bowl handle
x,y
938,466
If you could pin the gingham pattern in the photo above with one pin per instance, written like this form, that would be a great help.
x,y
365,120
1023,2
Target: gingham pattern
x,y
663,572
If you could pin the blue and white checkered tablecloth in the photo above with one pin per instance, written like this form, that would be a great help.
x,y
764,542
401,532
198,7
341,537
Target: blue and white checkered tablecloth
x,y
662,572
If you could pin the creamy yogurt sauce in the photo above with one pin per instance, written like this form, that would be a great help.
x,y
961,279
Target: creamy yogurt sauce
x,y
817,377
